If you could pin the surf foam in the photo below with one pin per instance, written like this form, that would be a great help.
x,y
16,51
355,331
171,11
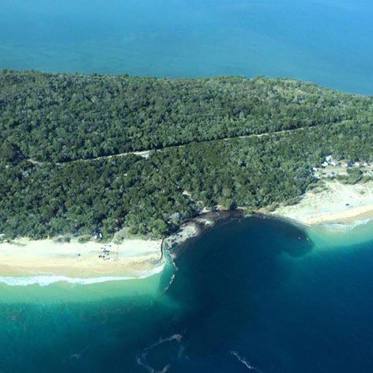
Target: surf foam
x,y
46,280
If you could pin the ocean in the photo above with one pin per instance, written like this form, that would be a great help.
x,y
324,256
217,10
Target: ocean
x,y
250,294
324,41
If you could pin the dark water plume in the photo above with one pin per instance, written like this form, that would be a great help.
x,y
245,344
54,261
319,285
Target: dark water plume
x,y
250,294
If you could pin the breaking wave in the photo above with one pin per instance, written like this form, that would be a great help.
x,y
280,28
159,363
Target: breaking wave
x,y
46,280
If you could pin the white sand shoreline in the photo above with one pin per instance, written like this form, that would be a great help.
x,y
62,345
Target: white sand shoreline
x,y
46,280
25,261
40,258
335,203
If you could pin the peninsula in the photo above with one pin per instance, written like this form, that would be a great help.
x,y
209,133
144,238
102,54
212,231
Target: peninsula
x,y
96,170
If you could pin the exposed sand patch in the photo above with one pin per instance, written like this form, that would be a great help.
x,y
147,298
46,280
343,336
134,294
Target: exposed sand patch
x,y
336,202
132,258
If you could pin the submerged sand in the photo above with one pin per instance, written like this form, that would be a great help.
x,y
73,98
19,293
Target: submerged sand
x,y
333,202
131,258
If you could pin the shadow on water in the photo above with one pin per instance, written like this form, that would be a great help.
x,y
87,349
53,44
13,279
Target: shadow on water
x,y
221,280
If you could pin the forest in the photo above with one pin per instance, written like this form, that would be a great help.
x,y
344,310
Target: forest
x,y
54,125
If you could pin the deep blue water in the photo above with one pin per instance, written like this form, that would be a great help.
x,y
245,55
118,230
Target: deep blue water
x,y
325,41
255,295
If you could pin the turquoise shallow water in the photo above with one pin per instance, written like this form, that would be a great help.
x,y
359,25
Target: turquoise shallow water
x,y
325,41
252,294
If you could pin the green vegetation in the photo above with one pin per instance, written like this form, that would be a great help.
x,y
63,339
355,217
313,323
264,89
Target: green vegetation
x,y
10,153
48,120
354,175
65,117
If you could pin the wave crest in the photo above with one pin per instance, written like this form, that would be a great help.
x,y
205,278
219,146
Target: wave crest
x,y
46,280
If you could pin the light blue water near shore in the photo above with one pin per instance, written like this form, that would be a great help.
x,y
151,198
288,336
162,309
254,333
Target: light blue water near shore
x,y
251,294
325,41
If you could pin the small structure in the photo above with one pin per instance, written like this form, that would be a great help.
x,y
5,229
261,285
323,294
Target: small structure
x,y
329,160
97,235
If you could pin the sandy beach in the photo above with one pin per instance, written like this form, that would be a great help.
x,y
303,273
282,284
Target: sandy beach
x,y
132,258
136,258
27,259
334,202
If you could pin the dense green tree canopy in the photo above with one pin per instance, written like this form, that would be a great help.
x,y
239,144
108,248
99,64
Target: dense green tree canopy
x,y
10,152
48,120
